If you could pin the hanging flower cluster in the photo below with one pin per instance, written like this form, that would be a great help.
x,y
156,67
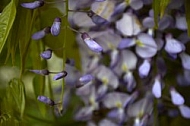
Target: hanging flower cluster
x,y
135,75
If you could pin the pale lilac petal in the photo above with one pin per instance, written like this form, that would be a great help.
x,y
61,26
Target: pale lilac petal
x,y
129,60
114,57
33,5
148,22
136,4
46,100
128,25
147,47
84,114
126,42
56,27
102,90
104,9
141,107
172,45
86,78
160,43
177,99
156,88
107,77
175,4
117,114
185,59
40,34
130,81
98,20
115,99
60,75
106,122
181,22
185,111
46,54
94,46
144,68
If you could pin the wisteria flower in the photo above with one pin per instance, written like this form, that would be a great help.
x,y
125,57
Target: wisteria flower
x,y
144,68
156,88
60,75
128,25
94,46
56,27
33,5
146,46
185,59
185,111
46,100
177,98
46,54
40,34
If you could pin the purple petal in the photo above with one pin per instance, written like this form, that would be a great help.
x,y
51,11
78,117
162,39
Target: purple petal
x,y
84,114
98,20
46,100
185,59
130,81
33,5
41,72
40,34
56,27
86,78
156,88
94,46
177,99
185,111
136,4
60,75
144,69
46,54
173,46
106,122
148,22
126,42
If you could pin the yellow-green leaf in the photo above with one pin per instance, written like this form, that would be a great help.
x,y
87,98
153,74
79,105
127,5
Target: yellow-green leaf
x,y
6,21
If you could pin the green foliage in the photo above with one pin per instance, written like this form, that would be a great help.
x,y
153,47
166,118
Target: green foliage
x,y
7,18
13,104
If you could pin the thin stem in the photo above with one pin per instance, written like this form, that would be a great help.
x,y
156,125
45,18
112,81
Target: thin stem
x,y
85,11
72,29
54,2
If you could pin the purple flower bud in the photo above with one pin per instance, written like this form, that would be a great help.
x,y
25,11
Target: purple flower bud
x,y
46,54
40,34
185,59
156,88
56,27
177,99
97,19
94,46
173,46
185,111
86,78
41,72
33,5
46,100
60,75
144,68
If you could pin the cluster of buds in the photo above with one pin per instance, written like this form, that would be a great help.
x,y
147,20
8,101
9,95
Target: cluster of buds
x,y
125,67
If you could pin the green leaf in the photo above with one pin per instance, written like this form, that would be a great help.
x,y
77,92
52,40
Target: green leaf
x,y
187,12
13,103
6,21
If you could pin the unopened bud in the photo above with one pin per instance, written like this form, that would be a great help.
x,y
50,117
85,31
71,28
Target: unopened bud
x,y
55,28
60,75
46,54
46,100
33,5
177,99
94,46
40,34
